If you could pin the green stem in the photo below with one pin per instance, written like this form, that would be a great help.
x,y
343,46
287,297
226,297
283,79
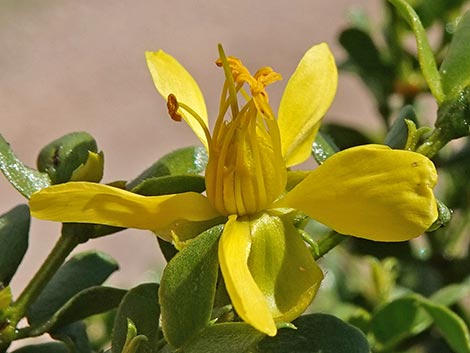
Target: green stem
x,y
328,242
433,143
56,258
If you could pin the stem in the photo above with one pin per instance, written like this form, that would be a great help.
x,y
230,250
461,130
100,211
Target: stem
x,y
328,242
56,258
433,144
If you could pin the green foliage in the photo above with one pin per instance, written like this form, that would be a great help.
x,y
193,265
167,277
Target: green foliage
x,y
410,315
70,154
189,160
82,271
455,69
51,347
425,53
24,179
14,234
187,288
336,337
230,337
170,185
397,136
88,302
140,306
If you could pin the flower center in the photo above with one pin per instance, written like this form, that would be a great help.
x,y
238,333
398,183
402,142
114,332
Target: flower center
x,y
246,171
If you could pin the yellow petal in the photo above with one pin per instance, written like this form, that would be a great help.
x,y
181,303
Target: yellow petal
x,y
307,97
282,266
370,192
84,202
249,302
169,76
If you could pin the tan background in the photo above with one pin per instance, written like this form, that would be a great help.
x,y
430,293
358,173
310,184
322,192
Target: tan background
x,y
79,65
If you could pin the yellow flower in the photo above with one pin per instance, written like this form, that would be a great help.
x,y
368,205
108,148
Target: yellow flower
x,y
370,191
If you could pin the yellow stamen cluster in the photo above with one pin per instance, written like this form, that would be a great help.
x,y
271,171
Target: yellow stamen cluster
x,y
246,172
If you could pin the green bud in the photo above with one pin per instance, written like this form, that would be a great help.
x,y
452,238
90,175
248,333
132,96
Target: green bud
x,y
444,216
72,157
453,116
133,341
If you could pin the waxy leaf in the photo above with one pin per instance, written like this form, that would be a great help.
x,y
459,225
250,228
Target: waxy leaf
x,y
90,301
82,271
24,179
140,305
425,54
396,321
189,160
75,337
50,347
14,231
455,69
410,315
69,153
231,337
452,327
398,133
316,333
323,148
188,286
171,184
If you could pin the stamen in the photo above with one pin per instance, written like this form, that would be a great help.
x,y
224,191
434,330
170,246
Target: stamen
x,y
173,107
230,82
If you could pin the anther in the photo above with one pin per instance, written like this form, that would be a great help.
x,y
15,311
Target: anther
x,y
173,106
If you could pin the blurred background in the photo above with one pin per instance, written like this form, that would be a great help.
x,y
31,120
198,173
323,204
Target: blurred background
x,y
79,66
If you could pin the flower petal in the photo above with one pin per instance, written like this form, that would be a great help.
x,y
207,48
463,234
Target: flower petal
x,y
84,202
249,302
169,76
370,192
282,267
307,97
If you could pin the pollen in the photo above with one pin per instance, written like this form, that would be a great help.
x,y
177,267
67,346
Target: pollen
x,y
173,106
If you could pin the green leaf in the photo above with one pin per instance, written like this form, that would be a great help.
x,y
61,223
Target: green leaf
x,y
86,231
170,184
167,248
82,271
74,336
323,148
90,301
14,232
371,68
24,179
410,315
188,286
189,160
232,337
316,333
140,305
398,134
426,58
396,321
345,136
50,347
452,327
62,157
455,69
451,294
